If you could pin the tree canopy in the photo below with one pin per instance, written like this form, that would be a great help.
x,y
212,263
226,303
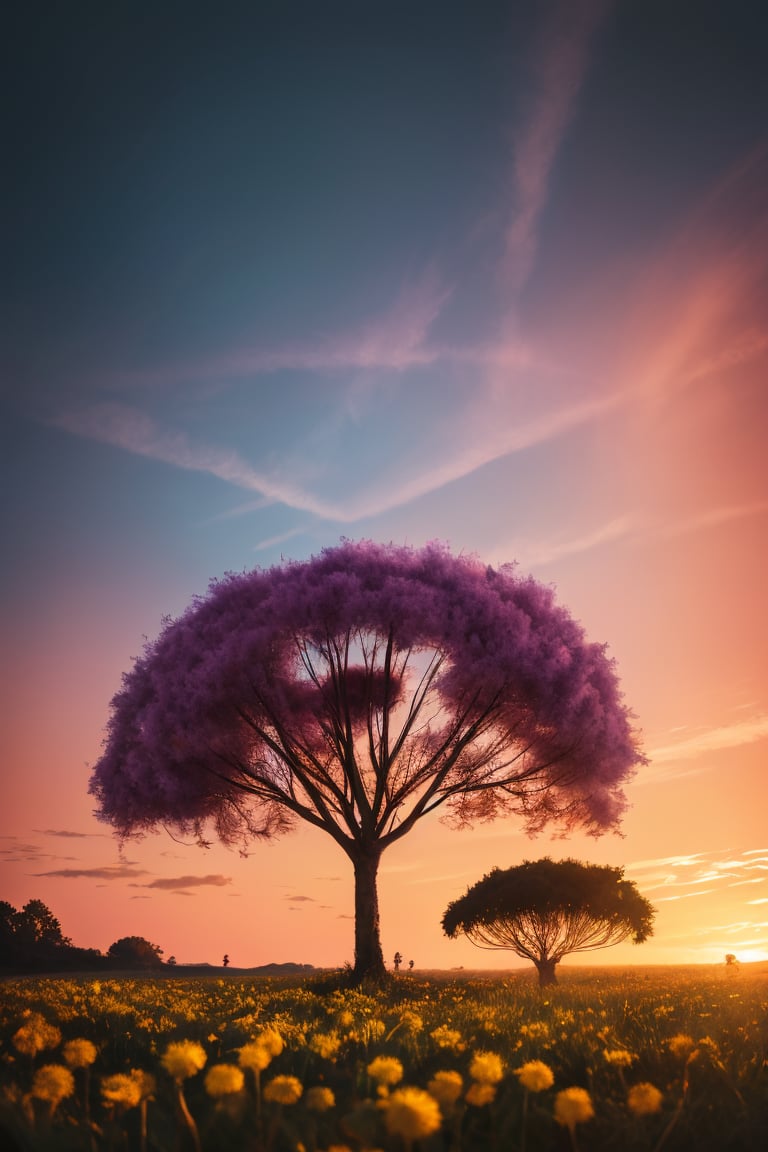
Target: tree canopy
x,y
135,952
544,910
358,691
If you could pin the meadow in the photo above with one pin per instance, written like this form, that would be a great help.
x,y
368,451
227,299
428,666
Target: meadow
x,y
633,1059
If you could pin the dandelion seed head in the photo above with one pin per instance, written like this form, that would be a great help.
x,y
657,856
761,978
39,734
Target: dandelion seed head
x,y
446,1087
283,1090
386,1070
480,1094
183,1059
644,1099
486,1068
573,1106
224,1080
535,1076
412,1113
79,1053
122,1089
53,1082
319,1098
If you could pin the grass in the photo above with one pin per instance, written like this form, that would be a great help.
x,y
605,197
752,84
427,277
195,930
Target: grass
x,y
672,1059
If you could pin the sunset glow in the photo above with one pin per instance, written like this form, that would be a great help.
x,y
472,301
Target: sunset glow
x,y
491,275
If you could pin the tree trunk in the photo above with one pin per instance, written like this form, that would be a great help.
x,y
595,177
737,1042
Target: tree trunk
x,y
546,971
369,959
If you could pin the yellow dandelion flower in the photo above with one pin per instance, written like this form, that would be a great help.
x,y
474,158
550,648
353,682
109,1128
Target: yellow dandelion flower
x,y
446,1087
411,1022
224,1080
254,1056
53,1082
36,1035
480,1094
271,1039
183,1059
573,1106
319,1098
121,1089
325,1044
486,1068
618,1057
535,1076
412,1113
346,1019
386,1070
79,1053
681,1045
644,1099
445,1037
283,1090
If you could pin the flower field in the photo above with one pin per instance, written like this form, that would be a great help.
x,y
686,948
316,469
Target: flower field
x,y
643,1059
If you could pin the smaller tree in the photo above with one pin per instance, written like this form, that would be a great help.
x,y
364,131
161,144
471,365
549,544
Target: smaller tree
x,y
545,909
135,952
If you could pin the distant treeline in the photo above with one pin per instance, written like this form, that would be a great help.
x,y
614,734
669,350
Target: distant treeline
x,y
31,940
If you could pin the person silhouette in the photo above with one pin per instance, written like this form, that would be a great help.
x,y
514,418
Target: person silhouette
x,y
225,961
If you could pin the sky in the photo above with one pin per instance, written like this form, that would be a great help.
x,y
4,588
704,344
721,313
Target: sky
x,y
496,275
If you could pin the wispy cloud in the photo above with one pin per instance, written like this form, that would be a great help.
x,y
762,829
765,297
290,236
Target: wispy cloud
x,y
110,872
67,835
712,740
177,883
533,554
559,68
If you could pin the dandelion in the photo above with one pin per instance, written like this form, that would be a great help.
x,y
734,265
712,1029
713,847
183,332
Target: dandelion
x,y
386,1070
445,1037
681,1045
325,1044
53,1083
319,1098
183,1059
79,1053
254,1056
486,1068
644,1099
535,1076
271,1039
224,1080
283,1090
121,1090
480,1094
573,1106
619,1058
412,1113
446,1087
36,1035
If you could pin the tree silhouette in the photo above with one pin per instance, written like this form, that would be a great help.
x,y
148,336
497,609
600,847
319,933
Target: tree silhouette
x,y
135,952
544,910
360,691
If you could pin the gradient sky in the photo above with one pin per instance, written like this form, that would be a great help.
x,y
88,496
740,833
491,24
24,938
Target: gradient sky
x,y
492,274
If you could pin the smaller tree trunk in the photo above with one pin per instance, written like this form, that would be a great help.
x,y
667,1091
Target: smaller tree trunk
x,y
369,958
546,971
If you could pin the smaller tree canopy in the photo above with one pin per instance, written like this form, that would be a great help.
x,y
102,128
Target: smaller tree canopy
x,y
544,910
135,952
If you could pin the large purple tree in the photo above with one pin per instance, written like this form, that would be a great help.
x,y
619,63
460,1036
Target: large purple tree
x,y
359,691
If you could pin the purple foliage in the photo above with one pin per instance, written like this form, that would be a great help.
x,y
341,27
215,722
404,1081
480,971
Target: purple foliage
x,y
359,690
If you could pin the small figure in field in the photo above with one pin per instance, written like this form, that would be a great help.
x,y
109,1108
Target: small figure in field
x,y
398,961
225,961
731,962
410,965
